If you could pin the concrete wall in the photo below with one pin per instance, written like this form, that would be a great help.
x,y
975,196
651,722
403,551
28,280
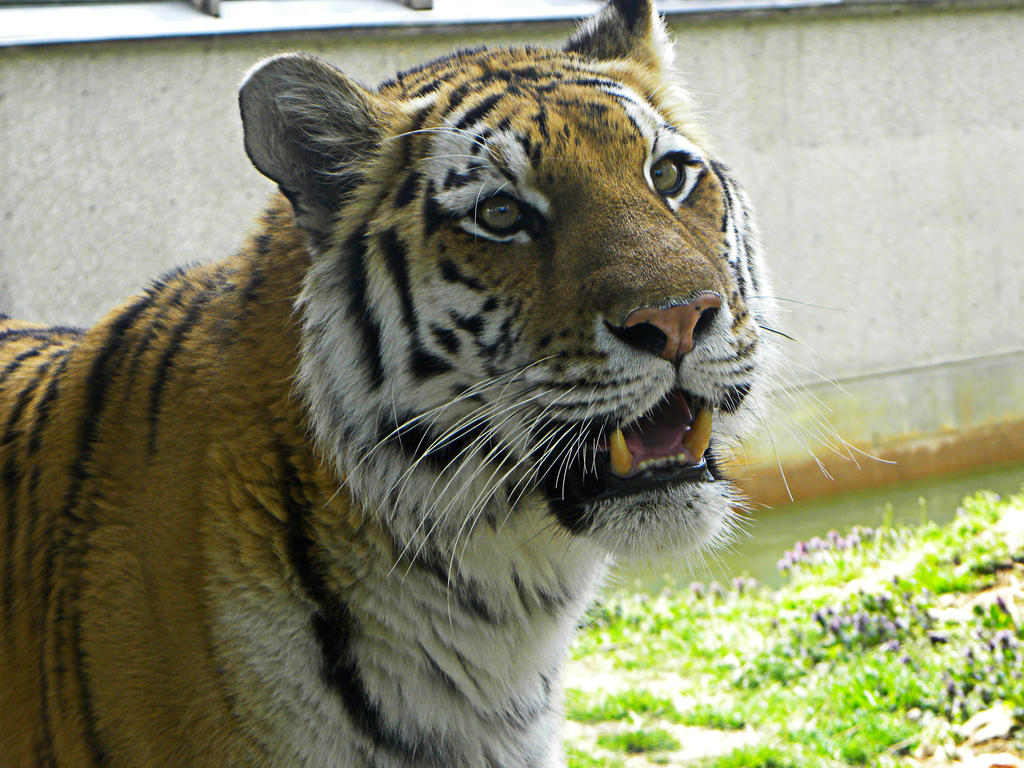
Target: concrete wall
x,y
884,151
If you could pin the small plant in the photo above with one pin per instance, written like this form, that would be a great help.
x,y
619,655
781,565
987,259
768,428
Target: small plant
x,y
618,706
635,742
578,758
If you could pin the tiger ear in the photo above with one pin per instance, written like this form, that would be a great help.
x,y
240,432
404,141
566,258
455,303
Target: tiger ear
x,y
624,29
307,126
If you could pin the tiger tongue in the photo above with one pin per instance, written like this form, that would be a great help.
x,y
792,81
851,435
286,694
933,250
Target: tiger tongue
x,y
660,433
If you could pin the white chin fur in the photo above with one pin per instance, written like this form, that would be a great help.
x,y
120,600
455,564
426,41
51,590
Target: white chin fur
x,y
682,520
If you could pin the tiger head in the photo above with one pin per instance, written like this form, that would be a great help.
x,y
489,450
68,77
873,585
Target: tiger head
x,y
533,289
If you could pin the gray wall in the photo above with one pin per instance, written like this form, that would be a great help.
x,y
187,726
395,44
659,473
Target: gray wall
x,y
884,151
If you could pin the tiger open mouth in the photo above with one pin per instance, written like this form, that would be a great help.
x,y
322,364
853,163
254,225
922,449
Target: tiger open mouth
x,y
664,447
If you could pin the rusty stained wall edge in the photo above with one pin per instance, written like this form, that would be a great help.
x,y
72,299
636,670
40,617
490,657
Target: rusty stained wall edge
x,y
913,457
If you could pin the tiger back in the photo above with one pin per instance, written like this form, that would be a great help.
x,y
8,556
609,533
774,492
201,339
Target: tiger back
x,y
341,498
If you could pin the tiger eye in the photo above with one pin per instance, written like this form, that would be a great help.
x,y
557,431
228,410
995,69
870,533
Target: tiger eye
x,y
500,213
665,175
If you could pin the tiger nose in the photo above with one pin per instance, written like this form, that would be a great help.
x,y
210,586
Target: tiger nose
x,y
679,323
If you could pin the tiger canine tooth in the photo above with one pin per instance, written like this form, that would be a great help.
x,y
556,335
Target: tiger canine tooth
x,y
622,459
699,434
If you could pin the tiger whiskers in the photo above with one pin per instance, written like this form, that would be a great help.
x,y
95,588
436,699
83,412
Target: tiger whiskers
x,y
785,385
549,444
490,487
484,414
436,411
486,494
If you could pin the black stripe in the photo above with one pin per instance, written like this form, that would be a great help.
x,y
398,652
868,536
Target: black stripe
x,y
24,396
251,292
433,215
730,217
446,338
746,238
11,478
415,441
505,342
541,119
157,326
457,178
425,364
428,87
15,363
419,444
536,155
477,113
473,324
44,747
396,257
262,243
408,189
332,625
451,272
359,308
451,59
538,597
418,121
465,591
39,334
164,367
457,97
714,468
96,384
733,397
594,82
45,404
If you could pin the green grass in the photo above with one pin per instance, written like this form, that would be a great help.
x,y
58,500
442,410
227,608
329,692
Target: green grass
x,y
760,756
854,662
706,715
635,742
578,758
620,706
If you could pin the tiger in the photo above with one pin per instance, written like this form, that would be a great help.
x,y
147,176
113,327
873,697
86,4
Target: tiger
x,y
342,498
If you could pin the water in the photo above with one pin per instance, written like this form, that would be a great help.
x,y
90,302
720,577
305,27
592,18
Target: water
x,y
772,532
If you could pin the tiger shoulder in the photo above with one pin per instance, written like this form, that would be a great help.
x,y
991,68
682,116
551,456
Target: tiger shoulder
x,y
342,498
